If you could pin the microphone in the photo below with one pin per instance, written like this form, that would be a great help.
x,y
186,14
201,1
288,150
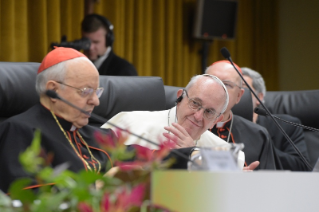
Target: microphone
x,y
52,94
262,112
224,51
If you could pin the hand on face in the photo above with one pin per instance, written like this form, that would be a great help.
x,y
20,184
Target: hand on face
x,y
180,135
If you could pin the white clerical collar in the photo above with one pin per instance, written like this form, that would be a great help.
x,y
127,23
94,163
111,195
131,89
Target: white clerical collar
x,y
101,59
73,128
222,123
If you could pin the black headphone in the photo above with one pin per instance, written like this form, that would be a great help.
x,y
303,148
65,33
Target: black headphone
x,y
179,99
109,28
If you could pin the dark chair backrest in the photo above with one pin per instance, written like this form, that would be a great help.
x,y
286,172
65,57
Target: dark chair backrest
x,y
17,92
303,105
170,95
244,108
131,93
17,87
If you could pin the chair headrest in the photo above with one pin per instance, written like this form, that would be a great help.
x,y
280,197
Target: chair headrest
x,y
301,104
170,95
130,93
244,108
17,87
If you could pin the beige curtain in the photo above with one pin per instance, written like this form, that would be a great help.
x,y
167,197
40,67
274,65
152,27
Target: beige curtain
x,y
155,35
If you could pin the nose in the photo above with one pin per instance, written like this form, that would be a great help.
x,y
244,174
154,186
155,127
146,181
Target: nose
x,y
92,46
199,114
94,100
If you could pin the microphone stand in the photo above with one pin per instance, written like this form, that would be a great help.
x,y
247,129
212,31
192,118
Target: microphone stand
x,y
260,111
226,54
54,95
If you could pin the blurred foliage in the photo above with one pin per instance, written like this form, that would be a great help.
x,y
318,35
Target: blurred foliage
x,y
124,188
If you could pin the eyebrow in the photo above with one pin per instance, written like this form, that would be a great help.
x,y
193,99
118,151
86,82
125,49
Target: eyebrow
x,y
200,100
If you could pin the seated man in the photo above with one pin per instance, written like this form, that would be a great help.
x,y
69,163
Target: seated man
x,y
235,129
289,158
99,31
64,130
197,109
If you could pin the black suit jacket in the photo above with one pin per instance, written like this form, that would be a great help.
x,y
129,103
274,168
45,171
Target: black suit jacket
x,y
289,158
257,141
113,65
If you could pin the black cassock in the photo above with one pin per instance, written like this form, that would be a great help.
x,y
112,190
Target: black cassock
x,y
258,146
289,158
16,134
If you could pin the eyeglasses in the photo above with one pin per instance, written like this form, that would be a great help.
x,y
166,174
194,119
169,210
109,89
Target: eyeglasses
x,y
230,84
84,92
195,105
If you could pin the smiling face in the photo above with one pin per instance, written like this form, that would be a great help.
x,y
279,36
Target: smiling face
x,y
210,95
80,74
226,73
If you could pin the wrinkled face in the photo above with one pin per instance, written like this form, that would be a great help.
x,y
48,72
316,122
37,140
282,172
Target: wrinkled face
x,y
226,73
210,95
98,43
80,74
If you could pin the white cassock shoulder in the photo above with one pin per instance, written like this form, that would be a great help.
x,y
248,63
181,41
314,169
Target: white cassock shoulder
x,y
150,125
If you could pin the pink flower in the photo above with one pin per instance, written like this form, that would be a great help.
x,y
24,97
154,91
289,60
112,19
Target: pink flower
x,y
106,202
110,142
128,166
124,199
105,140
83,207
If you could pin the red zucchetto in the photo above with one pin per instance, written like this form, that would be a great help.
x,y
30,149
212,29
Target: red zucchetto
x,y
58,55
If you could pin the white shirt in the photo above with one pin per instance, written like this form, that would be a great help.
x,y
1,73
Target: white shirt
x,y
150,125
101,58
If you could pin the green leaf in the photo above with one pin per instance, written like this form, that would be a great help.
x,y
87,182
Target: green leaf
x,y
17,191
5,201
87,178
30,159
50,202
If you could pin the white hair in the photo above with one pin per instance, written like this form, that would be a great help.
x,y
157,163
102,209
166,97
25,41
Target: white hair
x,y
56,72
257,81
216,79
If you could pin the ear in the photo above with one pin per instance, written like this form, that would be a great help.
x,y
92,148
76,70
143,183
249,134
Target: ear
x,y
240,94
219,118
261,97
179,92
52,85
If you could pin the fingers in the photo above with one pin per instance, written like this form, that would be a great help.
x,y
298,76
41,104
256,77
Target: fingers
x,y
177,130
171,137
252,166
181,136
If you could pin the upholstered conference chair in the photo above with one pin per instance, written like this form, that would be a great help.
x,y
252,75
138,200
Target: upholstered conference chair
x,y
303,105
17,92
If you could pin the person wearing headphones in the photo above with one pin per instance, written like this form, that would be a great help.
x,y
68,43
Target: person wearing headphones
x,y
99,30
197,110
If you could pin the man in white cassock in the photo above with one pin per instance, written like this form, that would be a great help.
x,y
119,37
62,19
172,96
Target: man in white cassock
x,y
198,108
